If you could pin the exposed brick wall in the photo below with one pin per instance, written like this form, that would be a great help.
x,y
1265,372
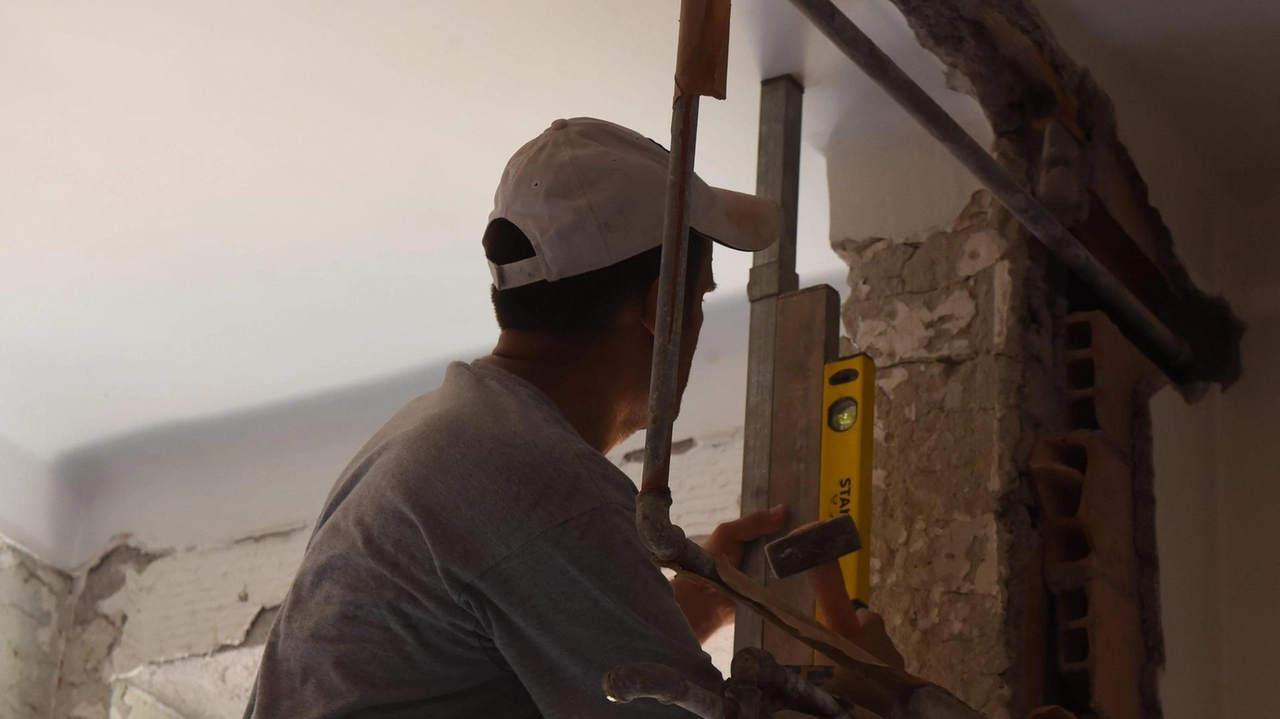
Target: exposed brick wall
x,y
1097,517
1086,499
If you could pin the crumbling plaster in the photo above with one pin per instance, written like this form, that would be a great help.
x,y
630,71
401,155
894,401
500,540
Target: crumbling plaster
x,y
34,604
937,284
199,601
84,690
209,686
139,633
944,314
173,629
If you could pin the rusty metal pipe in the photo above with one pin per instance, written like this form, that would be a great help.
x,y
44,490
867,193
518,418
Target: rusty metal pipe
x,y
756,671
668,541
664,378
653,506
629,682
1145,328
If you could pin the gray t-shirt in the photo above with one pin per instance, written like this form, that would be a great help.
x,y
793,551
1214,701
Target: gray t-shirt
x,y
477,558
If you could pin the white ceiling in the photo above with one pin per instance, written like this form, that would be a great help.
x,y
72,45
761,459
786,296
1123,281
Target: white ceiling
x,y
208,206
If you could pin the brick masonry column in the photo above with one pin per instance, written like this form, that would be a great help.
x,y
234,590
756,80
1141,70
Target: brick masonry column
x,y
958,322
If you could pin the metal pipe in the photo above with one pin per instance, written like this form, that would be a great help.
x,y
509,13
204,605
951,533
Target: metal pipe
x,y
668,541
773,271
756,671
653,519
629,682
664,377
1149,332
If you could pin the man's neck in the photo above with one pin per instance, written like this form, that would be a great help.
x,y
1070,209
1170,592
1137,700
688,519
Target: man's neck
x,y
587,380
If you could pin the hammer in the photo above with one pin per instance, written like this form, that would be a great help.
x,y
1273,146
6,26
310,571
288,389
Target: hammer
x,y
815,549
813,546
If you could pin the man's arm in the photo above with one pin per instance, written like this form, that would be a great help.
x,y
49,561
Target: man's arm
x,y
576,601
709,610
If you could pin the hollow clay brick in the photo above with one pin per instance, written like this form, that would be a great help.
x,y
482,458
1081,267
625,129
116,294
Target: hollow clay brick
x,y
1103,371
1102,653
1085,494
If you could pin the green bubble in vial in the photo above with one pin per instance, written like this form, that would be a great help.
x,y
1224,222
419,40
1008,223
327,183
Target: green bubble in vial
x,y
843,414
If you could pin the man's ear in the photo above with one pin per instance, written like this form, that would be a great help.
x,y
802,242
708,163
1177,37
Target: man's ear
x,y
649,314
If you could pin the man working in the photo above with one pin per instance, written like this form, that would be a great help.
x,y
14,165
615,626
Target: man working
x,y
479,556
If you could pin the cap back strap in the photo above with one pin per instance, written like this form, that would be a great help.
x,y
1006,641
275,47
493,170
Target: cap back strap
x,y
518,273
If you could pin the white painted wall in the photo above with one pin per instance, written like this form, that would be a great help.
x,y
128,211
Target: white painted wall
x,y
1248,453
216,479
1187,519
1189,197
1218,486
36,511
900,184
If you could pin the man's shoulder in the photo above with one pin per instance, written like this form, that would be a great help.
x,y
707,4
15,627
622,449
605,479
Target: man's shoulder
x,y
484,427
478,467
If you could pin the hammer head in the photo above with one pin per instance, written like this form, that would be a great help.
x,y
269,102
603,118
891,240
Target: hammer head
x,y
824,542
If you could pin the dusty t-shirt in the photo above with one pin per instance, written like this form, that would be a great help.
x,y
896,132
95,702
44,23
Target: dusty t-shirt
x,y
477,558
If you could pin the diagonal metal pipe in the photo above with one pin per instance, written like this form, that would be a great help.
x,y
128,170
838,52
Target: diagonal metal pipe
x,y
1148,331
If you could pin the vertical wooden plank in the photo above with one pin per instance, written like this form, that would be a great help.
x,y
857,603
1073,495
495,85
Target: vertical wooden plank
x,y
806,339
778,178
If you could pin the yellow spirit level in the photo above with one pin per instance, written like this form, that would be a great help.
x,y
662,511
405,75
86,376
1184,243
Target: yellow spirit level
x,y
848,402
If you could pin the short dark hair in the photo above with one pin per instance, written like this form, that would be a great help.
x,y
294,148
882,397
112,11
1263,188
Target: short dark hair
x,y
582,304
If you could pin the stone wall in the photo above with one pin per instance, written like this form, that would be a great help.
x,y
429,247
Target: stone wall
x,y
957,321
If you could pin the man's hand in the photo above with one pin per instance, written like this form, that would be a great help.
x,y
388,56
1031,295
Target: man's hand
x,y
729,539
860,626
706,609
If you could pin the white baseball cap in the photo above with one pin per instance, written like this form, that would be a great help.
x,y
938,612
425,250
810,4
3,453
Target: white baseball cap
x,y
589,194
